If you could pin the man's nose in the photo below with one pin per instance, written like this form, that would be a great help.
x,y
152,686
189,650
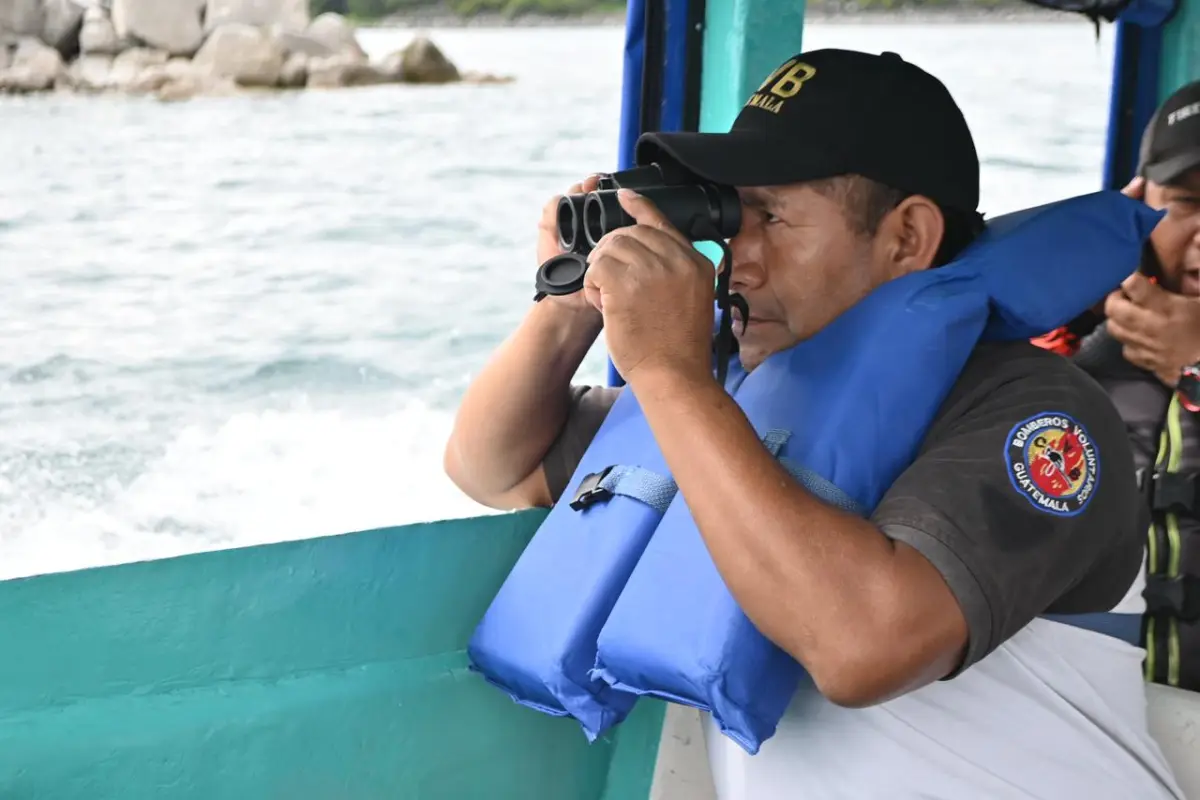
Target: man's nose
x,y
748,272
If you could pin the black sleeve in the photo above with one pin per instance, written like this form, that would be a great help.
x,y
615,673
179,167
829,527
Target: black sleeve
x,y
589,406
1023,496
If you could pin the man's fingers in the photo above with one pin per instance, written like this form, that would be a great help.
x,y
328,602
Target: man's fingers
x,y
1141,357
1137,287
1146,294
633,246
651,242
1130,336
641,209
646,213
584,186
593,296
1132,315
1131,323
549,218
601,273
1134,355
1136,188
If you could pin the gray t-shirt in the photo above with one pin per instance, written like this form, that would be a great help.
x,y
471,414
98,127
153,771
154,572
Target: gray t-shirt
x,y
1023,496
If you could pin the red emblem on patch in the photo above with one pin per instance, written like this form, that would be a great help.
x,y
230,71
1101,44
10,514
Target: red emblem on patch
x,y
1053,462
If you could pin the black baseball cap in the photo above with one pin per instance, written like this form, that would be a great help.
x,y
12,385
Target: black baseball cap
x,y
1171,142
834,112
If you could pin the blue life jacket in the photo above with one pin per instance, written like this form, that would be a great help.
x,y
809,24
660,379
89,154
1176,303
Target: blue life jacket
x,y
616,595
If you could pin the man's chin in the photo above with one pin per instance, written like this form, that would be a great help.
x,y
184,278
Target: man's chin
x,y
753,350
752,355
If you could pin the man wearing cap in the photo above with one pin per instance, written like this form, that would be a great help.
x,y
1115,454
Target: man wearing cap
x,y
1166,337
934,673
1144,349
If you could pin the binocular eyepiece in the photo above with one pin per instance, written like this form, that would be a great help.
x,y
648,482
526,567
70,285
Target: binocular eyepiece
x,y
700,210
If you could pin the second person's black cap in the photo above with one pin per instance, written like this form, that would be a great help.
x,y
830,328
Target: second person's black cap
x,y
1171,142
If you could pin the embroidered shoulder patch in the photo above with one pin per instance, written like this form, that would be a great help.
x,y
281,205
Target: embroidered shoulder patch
x,y
1053,462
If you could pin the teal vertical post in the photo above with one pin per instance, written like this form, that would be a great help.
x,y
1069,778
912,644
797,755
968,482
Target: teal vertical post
x,y
744,40
1180,58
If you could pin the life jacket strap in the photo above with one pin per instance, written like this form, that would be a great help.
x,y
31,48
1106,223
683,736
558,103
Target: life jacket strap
x,y
822,488
646,486
1170,491
1177,597
831,493
637,483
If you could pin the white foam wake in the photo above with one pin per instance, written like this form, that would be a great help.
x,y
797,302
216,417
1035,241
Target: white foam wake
x,y
259,477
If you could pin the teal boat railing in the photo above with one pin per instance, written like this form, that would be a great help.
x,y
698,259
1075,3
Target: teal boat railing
x,y
325,668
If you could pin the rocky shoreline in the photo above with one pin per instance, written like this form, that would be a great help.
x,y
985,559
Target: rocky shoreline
x,y
178,49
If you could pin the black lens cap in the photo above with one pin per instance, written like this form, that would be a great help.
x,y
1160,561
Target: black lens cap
x,y
562,274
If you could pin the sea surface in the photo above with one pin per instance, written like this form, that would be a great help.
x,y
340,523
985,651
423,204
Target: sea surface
x,y
244,320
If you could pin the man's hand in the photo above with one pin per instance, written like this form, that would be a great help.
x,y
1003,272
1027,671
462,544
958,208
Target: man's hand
x,y
1159,329
656,293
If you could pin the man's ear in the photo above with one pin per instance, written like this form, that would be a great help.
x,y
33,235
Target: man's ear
x,y
910,235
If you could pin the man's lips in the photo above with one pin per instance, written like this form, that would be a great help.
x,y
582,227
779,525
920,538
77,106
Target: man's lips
x,y
751,319
740,328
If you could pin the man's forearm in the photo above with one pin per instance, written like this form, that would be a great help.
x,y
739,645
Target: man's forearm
x,y
514,409
864,615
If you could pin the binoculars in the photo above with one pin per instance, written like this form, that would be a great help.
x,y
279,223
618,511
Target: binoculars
x,y
700,210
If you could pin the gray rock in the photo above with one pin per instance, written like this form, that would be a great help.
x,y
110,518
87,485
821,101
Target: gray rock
x,y
21,17
294,74
393,66
179,68
170,25
336,34
178,79
288,15
422,62
149,80
186,88
91,72
130,64
342,71
303,44
486,78
98,36
61,25
243,53
36,67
